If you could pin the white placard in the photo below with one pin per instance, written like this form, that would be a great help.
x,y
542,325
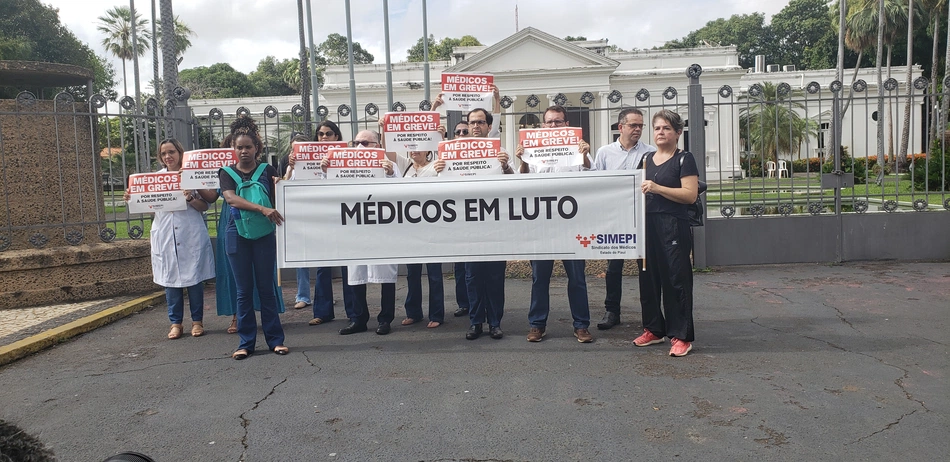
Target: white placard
x,y
464,92
199,169
308,155
552,147
576,215
353,163
470,156
155,192
411,131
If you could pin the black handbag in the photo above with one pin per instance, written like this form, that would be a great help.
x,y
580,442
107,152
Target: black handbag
x,y
695,210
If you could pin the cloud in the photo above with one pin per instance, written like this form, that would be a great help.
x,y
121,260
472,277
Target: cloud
x,y
243,33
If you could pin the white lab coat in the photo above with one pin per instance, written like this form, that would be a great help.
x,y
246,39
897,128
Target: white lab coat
x,y
181,249
375,274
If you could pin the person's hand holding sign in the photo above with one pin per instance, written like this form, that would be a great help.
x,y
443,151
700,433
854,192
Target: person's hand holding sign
x,y
388,165
442,130
439,166
324,164
438,102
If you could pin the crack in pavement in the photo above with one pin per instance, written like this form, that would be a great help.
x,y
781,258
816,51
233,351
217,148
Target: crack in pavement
x,y
769,291
841,317
886,428
245,421
899,382
309,361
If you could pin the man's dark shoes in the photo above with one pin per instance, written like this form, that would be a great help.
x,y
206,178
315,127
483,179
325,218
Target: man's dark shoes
x,y
383,328
460,312
495,332
610,319
353,328
474,332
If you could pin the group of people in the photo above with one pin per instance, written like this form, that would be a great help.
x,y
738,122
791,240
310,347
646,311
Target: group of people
x,y
248,280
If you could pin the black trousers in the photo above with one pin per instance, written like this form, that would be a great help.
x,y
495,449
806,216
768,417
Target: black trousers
x,y
669,277
614,281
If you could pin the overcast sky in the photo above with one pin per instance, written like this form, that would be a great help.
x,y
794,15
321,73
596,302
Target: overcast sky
x,y
243,32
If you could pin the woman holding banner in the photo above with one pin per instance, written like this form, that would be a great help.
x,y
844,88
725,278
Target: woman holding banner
x,y
181,250
671,183
253,258
420,164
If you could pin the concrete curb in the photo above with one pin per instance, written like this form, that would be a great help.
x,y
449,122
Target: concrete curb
x,y
46,339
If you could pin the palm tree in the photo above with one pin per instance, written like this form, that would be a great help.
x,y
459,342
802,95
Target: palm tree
x,y
936,6
773,125
183,35
905,132
117,25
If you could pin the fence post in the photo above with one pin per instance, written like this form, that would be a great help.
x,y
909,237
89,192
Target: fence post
x,y
697,145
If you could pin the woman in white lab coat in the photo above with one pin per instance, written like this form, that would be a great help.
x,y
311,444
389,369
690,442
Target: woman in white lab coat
x,y
182,257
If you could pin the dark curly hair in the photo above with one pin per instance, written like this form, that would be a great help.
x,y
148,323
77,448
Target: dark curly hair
x,y
246,126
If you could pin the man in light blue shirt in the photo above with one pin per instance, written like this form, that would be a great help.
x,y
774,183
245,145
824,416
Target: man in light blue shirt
x,y
624,154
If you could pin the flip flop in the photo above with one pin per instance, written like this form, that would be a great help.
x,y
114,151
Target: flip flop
x,y
409,321
281,350
240,354
315,322
433,324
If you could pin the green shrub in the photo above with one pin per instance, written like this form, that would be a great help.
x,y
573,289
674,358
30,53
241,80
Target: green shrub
x,y
932,175
812,164
859,167
752,166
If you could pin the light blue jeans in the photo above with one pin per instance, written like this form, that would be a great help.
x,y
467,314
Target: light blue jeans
x,y
303,286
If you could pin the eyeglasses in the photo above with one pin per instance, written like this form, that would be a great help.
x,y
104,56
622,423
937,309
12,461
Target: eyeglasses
x,y
477,122
364,143
461,132
325,133
555,123
634,126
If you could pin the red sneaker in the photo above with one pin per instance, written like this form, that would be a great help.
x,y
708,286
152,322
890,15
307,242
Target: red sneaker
x,y
647,339
680,348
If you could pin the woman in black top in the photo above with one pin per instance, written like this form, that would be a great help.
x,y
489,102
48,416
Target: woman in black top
x,y
671,182
253,261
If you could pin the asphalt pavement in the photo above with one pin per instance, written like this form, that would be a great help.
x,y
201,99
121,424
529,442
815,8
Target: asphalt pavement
x,y
792,362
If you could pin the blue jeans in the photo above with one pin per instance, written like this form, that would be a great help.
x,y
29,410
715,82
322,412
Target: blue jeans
x,y
436,292
303,286
486,291
253,263
323,294
576,292
175,297
461,286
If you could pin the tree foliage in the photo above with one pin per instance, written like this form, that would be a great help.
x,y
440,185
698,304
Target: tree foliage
x,y
771,124
440,50
334,50
183,35
31,31
268,79
216,81
806,35
746,31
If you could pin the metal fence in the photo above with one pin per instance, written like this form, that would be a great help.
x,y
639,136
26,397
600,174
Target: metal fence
x,y
769,150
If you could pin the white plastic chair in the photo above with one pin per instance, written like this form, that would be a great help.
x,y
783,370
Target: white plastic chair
x,y
770,167
782,167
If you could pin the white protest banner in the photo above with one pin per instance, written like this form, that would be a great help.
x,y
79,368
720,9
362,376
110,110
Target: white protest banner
x,y
155,192
576,216
308,155
552,147
464,92
356,163
200,168
470,156
411,131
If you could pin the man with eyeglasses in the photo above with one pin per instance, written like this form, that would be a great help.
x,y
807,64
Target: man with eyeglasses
x,y
624,154
361,275
540,308
485,279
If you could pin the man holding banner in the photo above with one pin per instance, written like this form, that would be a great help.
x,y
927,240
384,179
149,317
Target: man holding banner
x,y
624,154
356,163
555,148
485,280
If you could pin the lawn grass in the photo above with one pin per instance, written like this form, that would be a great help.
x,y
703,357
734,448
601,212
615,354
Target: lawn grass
x,y
805,188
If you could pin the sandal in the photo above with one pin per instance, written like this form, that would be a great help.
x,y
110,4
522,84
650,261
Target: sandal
x,y
315,322
434,324
175,332
281,350
409,321
232,329
197,330
240,354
